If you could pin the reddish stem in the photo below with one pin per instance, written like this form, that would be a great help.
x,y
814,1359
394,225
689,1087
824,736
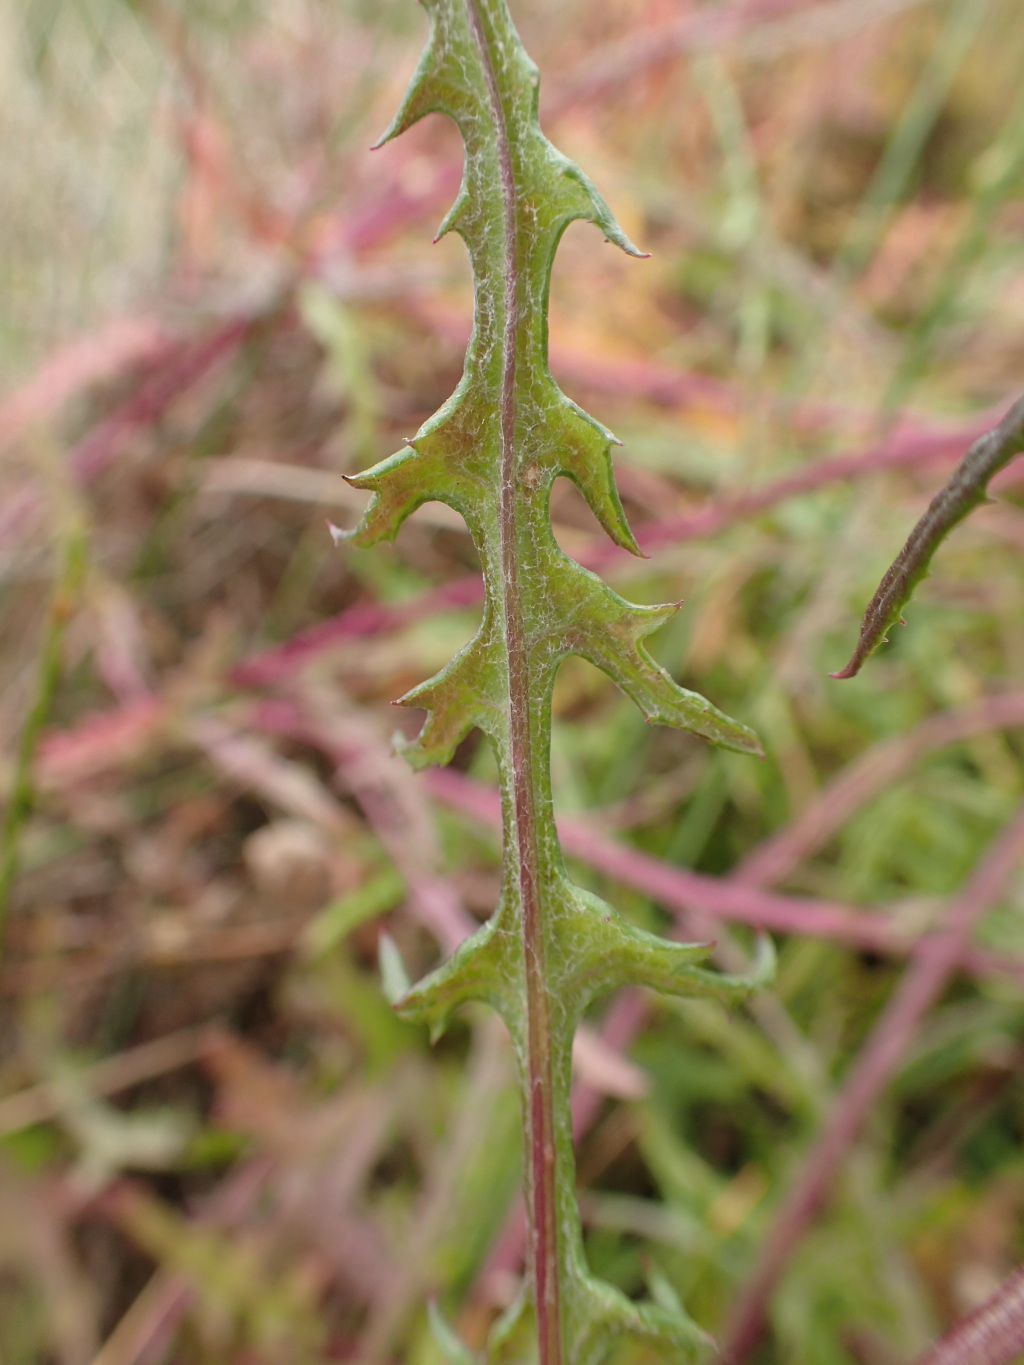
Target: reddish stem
x,y
904,449
540,1117
992,1335
724,897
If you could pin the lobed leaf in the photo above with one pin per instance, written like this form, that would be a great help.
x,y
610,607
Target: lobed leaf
x,y
493,452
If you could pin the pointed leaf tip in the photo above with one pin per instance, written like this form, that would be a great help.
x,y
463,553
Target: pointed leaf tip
x,y
763,968
394,978
453,1348
450,221
624,244
962,492
429,89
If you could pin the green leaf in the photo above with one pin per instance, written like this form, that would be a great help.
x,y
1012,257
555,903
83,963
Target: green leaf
x,y
393,976
493,452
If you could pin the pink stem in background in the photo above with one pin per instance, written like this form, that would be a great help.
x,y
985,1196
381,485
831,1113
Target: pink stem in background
x,y
185,364
774,859
912,449
670,386
104,740
697,30
93,359
682,891
907,449
394,204
175,366
876,1063
992,1335
767,25
361,621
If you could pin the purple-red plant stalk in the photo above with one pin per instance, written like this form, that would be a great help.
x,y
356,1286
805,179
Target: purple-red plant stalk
x,y
910,449
723,897
992,1335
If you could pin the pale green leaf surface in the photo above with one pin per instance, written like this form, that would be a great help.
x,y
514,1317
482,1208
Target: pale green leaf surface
x,y
493,452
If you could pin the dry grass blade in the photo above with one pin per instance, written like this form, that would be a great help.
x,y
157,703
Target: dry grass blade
x,y
107,1077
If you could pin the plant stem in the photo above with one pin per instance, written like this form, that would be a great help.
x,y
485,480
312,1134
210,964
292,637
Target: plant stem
x,y
992,1335
540,1120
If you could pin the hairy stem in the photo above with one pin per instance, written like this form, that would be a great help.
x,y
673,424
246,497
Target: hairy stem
x,y
992,1335
492,452
542,1193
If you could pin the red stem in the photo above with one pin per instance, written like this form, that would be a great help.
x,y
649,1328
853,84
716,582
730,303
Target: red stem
x,y
882,765
904,449
540,1118
724,897
992,1335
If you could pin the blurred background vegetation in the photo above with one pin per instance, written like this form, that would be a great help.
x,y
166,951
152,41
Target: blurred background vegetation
x,y
217,1145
